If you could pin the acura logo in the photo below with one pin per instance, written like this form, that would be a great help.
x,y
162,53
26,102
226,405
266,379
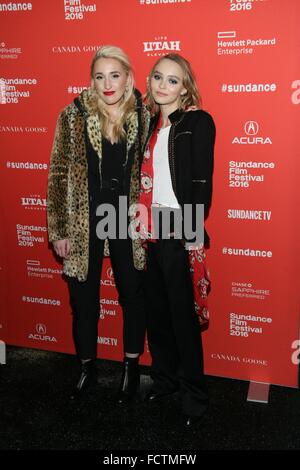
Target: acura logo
x,y
110,273
251,128
41,329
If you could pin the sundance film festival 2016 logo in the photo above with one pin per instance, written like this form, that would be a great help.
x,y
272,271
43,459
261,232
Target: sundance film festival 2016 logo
x,y
161,46
15,6
251,129
105,308
241,174
243,5
30,235
239,324
76,9
10,92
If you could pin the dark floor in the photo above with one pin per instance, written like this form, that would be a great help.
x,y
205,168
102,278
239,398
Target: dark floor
x,y
35,413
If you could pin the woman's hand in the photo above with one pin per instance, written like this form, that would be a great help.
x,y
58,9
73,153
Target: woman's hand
x,y
62,248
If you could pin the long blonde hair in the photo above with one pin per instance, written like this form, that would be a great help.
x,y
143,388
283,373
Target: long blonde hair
x,y
127,105
191,98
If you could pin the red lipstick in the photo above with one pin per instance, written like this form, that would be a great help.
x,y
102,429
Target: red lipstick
x,y
108,93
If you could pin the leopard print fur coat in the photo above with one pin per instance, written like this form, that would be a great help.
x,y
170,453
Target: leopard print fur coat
x,y
68,198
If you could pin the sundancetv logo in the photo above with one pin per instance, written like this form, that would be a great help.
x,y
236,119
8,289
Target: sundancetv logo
x,y
249,214
108,341
12,6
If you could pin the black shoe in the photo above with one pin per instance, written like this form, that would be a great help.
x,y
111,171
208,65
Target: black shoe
x,y
87,378
130,381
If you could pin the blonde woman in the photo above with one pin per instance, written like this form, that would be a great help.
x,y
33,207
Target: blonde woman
x,y
176,173
95,160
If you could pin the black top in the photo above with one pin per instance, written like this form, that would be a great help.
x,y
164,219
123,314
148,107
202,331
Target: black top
x,y
113,159
112,166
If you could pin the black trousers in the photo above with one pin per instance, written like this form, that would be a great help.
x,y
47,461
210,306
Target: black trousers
x,y
172,325
85,297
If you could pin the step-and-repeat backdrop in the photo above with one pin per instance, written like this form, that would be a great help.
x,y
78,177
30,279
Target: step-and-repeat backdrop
x,y
245,54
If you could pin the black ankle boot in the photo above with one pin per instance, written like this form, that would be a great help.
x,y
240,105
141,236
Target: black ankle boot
x,y
87,377
130,380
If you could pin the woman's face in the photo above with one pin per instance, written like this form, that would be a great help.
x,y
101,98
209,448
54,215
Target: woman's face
x,y
167,84
110,80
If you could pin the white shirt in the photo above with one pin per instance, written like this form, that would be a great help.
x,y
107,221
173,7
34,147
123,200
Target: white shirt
x,y
162,184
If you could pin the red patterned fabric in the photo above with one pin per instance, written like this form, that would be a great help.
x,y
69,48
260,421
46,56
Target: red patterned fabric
x,y
198,269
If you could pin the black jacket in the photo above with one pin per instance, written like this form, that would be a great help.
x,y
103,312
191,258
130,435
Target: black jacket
x,y
191,157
